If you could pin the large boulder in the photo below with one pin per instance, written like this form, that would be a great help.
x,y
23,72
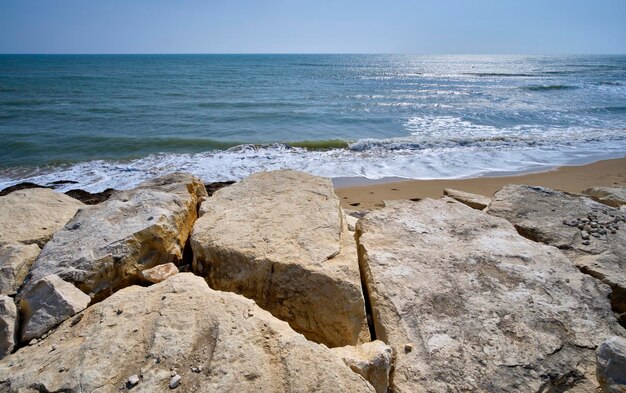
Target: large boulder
x,y
8,325
280,238
611,365
469,305
15,262
612,196
213,341
371,360
47,303
106,246
591,234
31,216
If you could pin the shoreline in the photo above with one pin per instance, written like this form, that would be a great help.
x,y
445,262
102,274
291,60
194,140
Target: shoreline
x,y
573,179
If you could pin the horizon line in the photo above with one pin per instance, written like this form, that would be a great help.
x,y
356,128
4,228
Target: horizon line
x,y
300,53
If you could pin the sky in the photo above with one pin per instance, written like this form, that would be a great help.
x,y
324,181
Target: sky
x,y
314,26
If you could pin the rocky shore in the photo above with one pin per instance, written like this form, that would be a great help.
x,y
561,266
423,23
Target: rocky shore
x,y
267,284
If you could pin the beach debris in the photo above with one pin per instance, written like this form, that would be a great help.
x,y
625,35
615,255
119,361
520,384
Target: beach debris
x,y
474,201
159,273
279,238
467,284
371,360
48,302
611,365
8,325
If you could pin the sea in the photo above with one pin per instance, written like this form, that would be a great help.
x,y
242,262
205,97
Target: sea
x,y
100,121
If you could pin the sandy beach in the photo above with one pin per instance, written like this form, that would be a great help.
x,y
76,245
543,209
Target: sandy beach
x,y
567,178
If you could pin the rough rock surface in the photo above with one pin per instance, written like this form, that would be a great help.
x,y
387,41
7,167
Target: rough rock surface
x,y
591,234
280,238
106,246
159,273
611,365
216,342
469,305
612,196
31,216
15,262
47,303
371,360
474,201
8,325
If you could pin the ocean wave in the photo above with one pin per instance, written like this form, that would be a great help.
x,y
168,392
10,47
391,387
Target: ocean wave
x,y
549,87
498,74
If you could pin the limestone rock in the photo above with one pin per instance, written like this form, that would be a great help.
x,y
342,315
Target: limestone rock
x,y
559,219
371,360
611,365
168,328
612,196
351,222
280,238
474,201
8,325
31,216
106,246
469,305
15,262
159,273
47,303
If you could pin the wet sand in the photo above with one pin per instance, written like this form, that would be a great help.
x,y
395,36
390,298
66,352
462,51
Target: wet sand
x,y
574,179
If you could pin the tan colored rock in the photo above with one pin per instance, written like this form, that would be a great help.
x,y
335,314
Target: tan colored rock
x,y
280,238
351,222
106,246
15,262
469,305
475,201
168,329
31,216
159,273
611,365
591,234
8,325
370,360
612,196
48,302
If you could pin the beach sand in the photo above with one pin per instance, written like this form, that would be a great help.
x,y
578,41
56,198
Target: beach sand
x,y
610,173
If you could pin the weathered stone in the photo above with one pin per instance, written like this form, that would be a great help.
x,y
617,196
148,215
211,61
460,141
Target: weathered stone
x,y
475,201
175,381
612,196
280,238
611,365
351,222
159,273
31,216
537,213
175,325
8,325
106,246
48,302
469,305
15,261
371,360
133,380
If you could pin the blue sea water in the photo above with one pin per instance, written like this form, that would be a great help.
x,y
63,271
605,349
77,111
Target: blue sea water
x,y
115,120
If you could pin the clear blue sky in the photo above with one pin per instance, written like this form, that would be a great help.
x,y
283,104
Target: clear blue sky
x,y
313,26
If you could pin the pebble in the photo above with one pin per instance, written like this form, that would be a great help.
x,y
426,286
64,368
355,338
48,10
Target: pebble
x,y
586,242
408,348
584,235
175,381
196,369
33,341
132,380
595,234
587,228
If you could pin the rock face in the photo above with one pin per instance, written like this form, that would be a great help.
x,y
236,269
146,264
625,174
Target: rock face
x,y
280,238
612,196
31,216
15,261
106,246
8,325
371,360
474,201
159,273
215,342
591,234
611,365
47,303
469,305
